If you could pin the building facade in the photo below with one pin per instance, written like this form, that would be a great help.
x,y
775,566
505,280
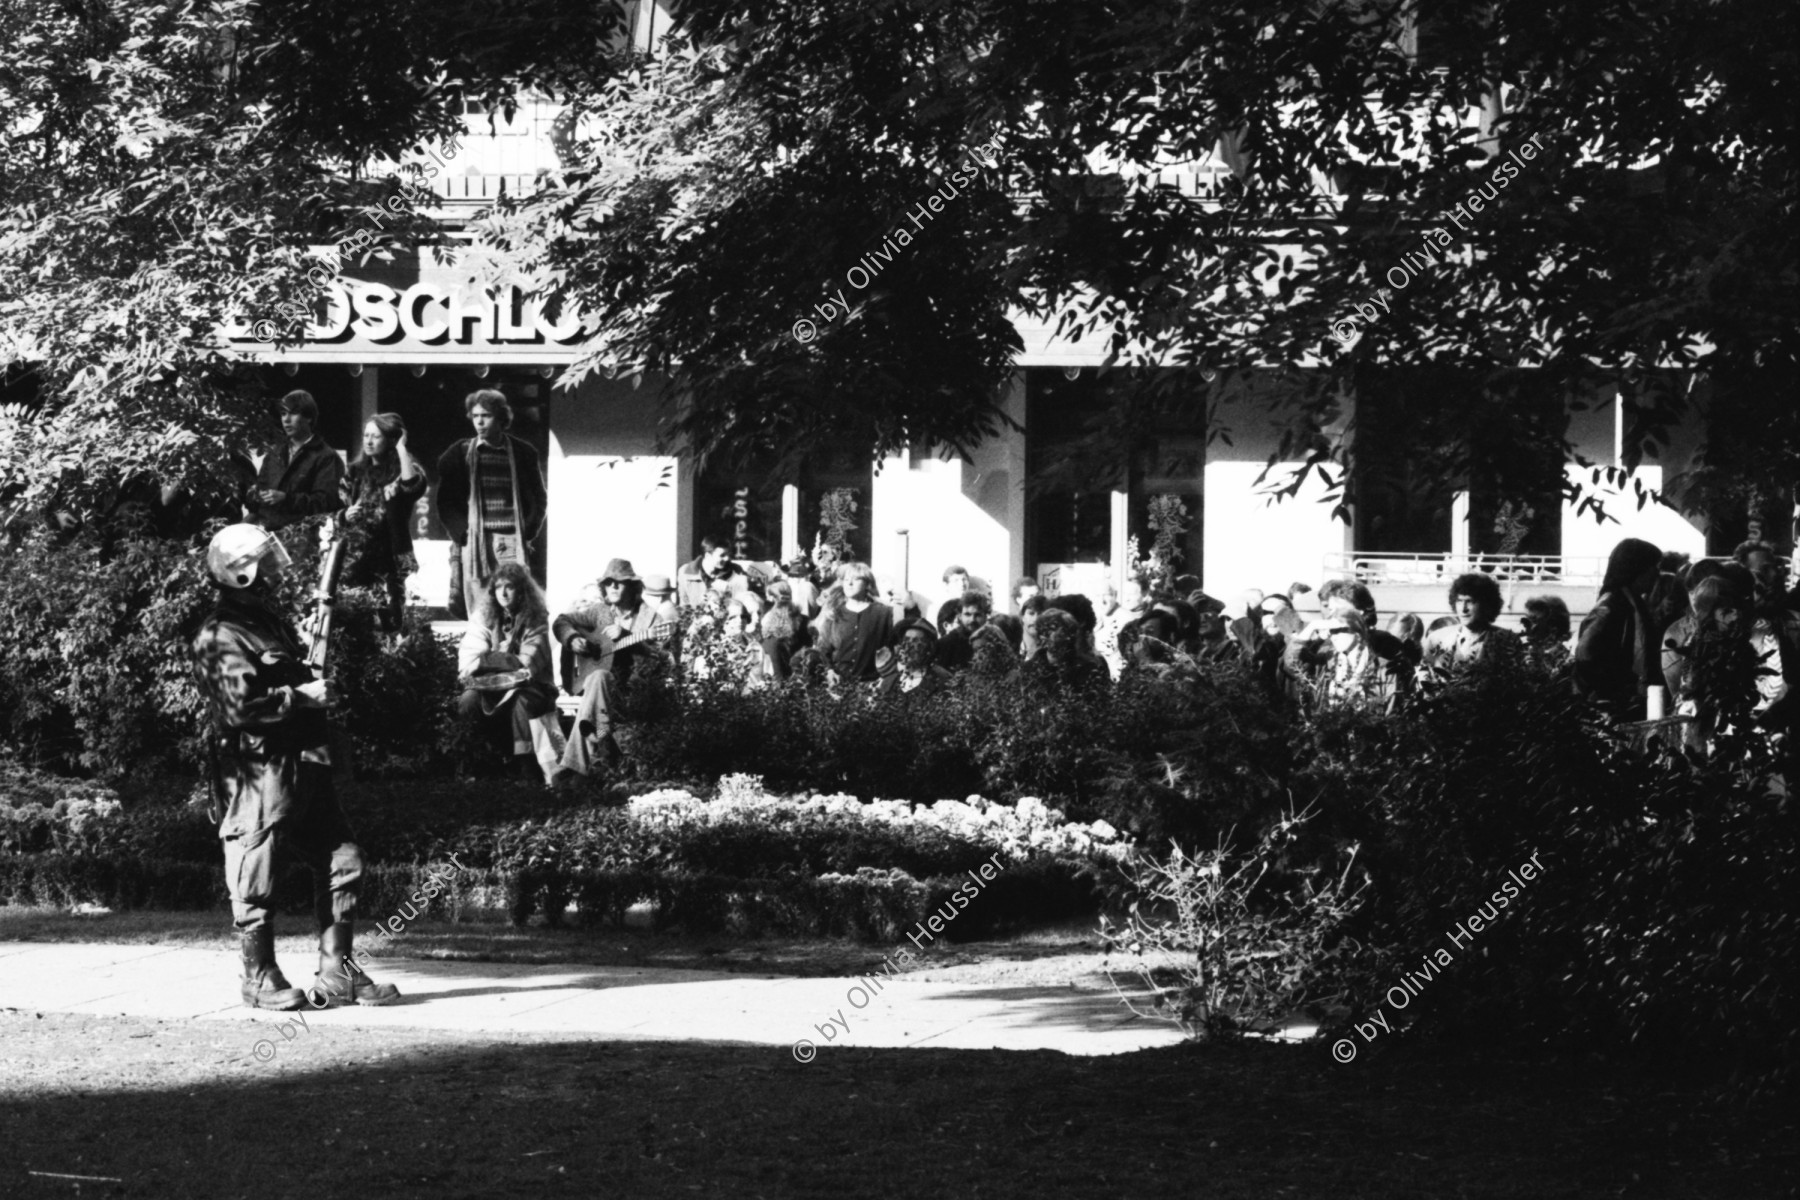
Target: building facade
x,y
410,337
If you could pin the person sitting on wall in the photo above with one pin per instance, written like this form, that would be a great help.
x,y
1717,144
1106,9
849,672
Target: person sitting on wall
x,y
1087,621
1213,642
956,649
1350,674
1475,640
785,632
713,571
1010,627
1061,663
491,499
603,643
1547,628
301,476
995,656
1399,658
504,662
1130,602
915,676
853,626
1147,649
803,585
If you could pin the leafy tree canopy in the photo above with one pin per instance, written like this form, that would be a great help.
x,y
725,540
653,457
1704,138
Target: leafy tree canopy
x,y
164,168
727,190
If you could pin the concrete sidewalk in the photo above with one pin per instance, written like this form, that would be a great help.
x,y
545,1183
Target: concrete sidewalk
x,y
604,1003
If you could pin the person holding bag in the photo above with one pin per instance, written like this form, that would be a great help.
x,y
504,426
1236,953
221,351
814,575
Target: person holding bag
x,y
506,668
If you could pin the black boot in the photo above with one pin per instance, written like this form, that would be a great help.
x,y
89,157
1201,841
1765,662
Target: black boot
x,y
340,980
263,984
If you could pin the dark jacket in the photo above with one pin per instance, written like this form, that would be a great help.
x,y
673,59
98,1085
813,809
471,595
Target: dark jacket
x,y
935,681
390,530
454,484
248,663
1079,673
311,480
850,656
1615,658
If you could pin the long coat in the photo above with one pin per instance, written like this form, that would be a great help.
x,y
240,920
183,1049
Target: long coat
x,y
454,484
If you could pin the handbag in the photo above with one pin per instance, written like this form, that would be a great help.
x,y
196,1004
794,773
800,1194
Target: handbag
x,y
498,678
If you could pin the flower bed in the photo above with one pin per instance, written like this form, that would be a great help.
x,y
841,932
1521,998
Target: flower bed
x,y
743,861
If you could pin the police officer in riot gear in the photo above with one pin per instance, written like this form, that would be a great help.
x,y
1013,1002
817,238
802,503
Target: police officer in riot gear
x,y
273,781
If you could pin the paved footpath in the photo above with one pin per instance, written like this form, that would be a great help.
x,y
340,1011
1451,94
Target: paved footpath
x,y
603,1003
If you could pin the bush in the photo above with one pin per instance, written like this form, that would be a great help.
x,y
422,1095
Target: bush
x,y
96,672
1157,759
748,862
1232,943
1662,918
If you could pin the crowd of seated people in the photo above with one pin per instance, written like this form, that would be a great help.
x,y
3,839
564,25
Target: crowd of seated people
x,y
826,621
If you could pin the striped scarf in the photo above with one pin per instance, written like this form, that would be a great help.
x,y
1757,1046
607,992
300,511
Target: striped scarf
x,y
485,465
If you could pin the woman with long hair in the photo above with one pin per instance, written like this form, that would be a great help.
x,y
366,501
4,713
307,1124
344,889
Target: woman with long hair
x,y
506,665
380,489
854,625
785,630
1615,658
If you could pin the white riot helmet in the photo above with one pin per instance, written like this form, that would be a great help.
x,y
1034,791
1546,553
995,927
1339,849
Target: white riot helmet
x,y
237,551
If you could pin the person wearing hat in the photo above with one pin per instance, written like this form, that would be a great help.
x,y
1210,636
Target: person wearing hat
x,y
272,786
603,642
913,673
803,589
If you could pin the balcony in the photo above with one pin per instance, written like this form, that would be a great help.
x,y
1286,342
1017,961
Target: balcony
x,y
1419,583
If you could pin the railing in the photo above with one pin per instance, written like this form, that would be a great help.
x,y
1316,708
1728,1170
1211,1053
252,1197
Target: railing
x,y
483,188
1377,569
